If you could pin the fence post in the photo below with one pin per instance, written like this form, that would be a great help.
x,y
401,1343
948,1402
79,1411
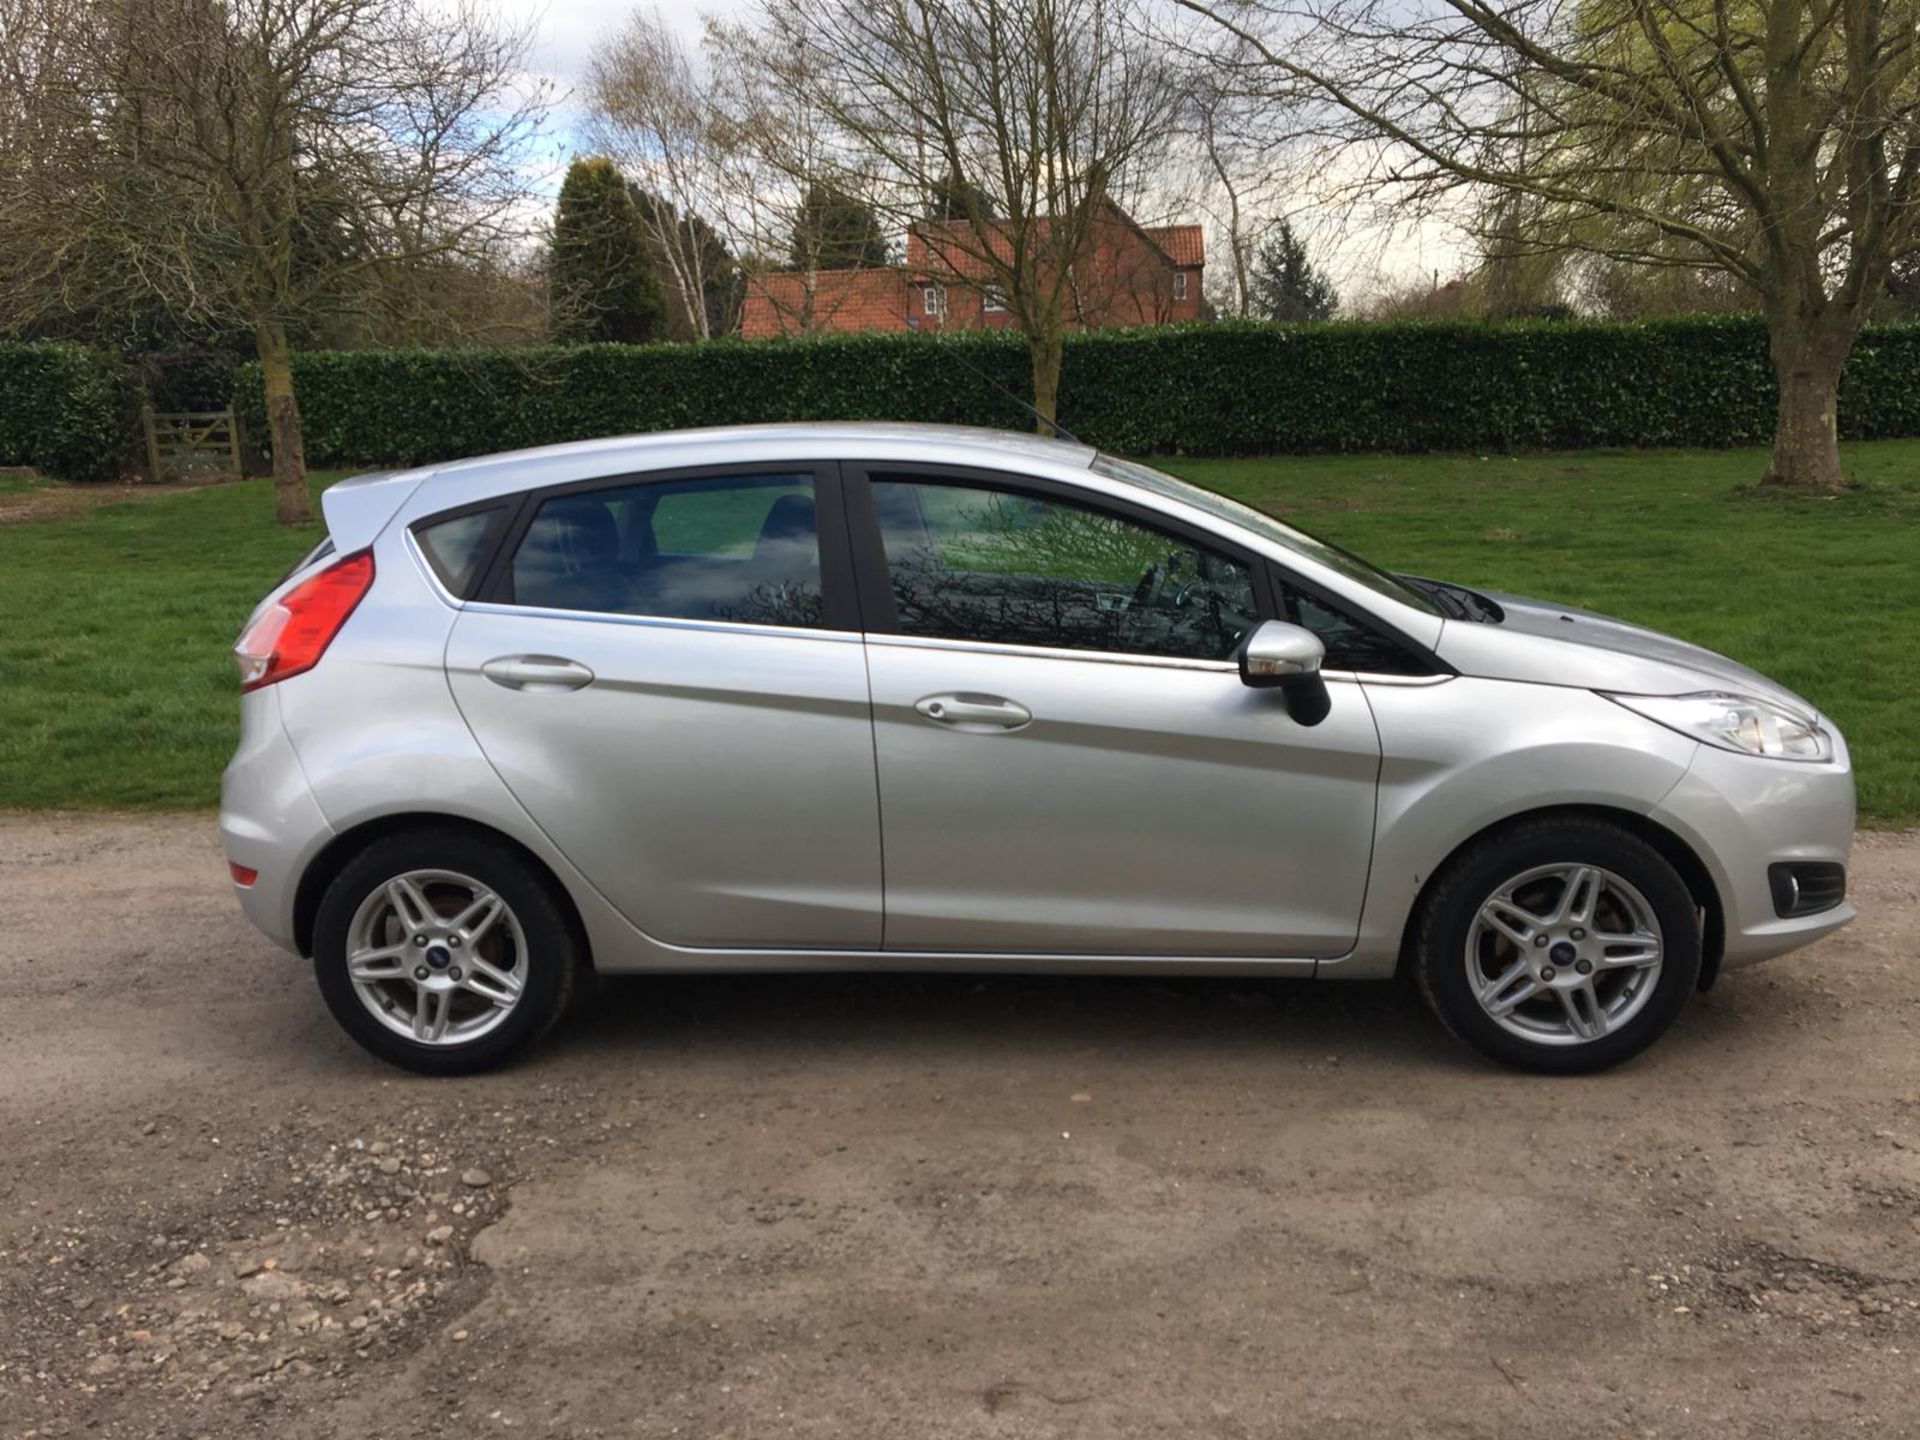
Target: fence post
x,y
153,444
252,460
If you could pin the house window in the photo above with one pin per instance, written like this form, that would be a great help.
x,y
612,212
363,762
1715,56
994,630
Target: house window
x,y
933,299
1179,284
994,300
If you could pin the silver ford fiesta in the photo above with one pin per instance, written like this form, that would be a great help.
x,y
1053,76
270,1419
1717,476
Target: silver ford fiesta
x,y
891,697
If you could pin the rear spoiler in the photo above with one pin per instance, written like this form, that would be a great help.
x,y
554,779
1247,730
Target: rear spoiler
x,y
358,509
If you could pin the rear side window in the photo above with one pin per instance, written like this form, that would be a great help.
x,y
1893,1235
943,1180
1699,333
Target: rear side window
x,y
742,548
457,548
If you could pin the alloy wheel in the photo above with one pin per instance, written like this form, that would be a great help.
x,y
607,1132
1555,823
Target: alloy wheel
x,y
1564,954
436,957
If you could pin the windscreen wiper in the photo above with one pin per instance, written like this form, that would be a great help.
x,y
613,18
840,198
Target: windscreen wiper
x,y
1453,605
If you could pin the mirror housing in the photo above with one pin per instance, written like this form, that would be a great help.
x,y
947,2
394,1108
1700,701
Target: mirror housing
x,y
1287,658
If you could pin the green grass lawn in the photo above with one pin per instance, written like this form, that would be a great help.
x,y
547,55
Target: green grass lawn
x,y
116,689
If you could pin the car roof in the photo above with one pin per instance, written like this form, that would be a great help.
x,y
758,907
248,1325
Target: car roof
x,y
358,507
485,475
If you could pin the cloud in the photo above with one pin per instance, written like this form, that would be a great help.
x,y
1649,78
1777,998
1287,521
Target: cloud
x,y
564,35
565,30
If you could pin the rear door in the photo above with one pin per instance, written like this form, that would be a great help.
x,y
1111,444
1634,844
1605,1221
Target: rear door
x,y
1069,763
667,672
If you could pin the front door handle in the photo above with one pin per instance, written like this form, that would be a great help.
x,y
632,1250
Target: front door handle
x,y
537,672
977,713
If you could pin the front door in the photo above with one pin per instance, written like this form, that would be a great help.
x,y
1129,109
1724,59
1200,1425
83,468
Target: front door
x,y
669,679
1068,761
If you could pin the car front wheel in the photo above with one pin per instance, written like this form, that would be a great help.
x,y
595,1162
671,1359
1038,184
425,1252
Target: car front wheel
x,y
443,952
1563,944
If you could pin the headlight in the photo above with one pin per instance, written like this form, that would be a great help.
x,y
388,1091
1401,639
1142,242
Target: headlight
x,y
1736,722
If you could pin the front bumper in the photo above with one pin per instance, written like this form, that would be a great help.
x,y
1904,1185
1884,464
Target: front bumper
x,y
1742,814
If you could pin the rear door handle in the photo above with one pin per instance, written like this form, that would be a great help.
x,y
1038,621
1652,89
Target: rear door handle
x,y
979,713
537,672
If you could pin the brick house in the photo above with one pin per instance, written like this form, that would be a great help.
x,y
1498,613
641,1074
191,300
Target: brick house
x,y
1125,274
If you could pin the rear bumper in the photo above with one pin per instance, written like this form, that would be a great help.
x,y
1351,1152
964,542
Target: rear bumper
x,y
1741,815
269,821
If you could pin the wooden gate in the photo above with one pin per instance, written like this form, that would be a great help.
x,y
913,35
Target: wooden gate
x,y
191,444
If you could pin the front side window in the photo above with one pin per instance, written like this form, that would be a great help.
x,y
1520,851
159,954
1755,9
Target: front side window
x,y
743,548
1350,644
976,563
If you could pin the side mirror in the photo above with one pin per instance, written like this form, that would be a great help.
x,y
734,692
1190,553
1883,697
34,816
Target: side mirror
x,y
1283,657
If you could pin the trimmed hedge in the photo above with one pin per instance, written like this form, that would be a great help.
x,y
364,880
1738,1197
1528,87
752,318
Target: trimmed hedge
x,y
65,409
1224,389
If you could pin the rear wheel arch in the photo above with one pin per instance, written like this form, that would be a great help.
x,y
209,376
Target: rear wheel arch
x,y
1670,847
339,852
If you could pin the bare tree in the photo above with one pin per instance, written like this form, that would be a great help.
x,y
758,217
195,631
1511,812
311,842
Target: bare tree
x,y
496,296
1031,119
783,152
44,47
1239,169
49,52
776,150
1524,256
1775,140
1227,165
267,162
653,117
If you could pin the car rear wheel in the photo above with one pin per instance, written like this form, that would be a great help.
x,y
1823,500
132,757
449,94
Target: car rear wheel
x,y
1563,945
444,952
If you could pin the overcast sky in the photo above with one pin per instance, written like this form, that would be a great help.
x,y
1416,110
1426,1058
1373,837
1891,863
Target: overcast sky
x,y
565,30
1362,261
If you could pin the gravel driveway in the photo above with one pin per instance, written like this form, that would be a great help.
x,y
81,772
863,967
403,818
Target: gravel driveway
x,y
931,1207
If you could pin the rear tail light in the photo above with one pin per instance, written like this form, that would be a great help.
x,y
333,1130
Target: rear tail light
x,y
291,635
243,875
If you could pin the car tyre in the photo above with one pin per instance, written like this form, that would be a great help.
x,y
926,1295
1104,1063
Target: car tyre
x,y
1490,916
392,918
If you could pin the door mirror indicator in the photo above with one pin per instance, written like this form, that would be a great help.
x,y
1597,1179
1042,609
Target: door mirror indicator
x,y
1283,657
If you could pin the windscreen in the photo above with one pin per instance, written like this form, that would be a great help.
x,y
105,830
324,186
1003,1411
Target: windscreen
x,y
1343,562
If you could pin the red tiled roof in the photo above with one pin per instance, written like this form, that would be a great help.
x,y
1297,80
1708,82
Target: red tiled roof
x,y
776,304
951,246
1183,243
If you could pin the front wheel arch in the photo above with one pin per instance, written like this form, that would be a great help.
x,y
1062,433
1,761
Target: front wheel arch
x,y
1671,848
338,853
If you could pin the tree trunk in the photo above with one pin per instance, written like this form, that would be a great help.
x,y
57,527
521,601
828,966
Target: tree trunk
x,y
1045,350
1806,434
290,503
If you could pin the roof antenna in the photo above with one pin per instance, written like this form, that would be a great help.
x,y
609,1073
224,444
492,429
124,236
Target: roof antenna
x,y
1060,432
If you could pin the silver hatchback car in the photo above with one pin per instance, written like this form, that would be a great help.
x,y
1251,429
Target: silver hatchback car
x,y
893,697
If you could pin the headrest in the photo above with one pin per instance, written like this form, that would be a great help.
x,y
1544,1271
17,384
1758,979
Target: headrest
x,y
573,535
789,521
